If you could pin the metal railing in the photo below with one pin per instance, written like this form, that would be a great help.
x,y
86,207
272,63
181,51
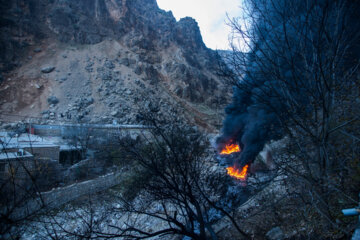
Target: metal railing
x,y
354,212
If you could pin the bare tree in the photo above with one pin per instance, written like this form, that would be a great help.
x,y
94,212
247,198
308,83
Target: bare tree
x,y
180,187
170,182
299,78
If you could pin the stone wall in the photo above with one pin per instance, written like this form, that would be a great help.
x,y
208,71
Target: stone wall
x,y
59,196
51,152
14,165
67,130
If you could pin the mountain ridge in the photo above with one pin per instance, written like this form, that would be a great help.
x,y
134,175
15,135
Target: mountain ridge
x,y
145,49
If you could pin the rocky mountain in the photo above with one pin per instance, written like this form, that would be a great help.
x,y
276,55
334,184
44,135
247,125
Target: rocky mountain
x,y
101,60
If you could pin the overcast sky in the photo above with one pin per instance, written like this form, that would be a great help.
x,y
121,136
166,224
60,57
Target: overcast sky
x,y
210,15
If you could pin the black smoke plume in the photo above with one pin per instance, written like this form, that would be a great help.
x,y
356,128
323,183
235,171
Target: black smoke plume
x,y
250,124
297,48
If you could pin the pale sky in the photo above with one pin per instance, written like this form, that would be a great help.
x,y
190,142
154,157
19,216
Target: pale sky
x,y
209,14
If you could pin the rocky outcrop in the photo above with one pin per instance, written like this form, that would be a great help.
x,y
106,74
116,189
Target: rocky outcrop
x,y
89,22
135,52
47,69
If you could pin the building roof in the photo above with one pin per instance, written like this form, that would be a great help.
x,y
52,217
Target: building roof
x,y
25,141
12,156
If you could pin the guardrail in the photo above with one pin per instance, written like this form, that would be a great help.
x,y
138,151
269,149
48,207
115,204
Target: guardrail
x,y
354,212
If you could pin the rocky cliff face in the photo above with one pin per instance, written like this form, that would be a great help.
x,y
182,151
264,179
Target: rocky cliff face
x,y
102,58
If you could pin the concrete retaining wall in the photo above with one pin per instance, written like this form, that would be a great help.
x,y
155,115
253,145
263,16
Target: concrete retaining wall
x,y
59,196
52,152
66,130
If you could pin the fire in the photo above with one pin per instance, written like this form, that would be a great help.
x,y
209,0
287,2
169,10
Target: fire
x,y
241,175
233,171
230,148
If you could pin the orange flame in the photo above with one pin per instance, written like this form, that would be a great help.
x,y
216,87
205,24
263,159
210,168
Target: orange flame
x,y
241,175
230,148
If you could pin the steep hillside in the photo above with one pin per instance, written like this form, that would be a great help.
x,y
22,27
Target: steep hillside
x,y
99,61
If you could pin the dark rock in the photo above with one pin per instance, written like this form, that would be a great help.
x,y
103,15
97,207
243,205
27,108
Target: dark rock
x,y
106,76
53,100
114,113
132,61
47,69
191,59
188,34
152,106
152,73
178,91
275,234
124,61
37,50
138,70
89,100
89,68
106,92
109,64
150,57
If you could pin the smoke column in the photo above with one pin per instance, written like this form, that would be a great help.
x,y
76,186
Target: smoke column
x,y
283,79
